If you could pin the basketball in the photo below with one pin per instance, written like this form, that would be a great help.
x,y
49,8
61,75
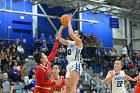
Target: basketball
x,y
64,19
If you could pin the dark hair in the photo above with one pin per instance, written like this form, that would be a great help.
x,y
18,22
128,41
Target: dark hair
x,y
80,33
37,56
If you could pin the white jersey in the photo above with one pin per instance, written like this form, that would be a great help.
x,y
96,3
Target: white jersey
x,y
73,51
118,83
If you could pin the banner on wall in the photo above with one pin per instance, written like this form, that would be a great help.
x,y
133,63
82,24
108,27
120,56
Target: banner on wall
x,y
114,22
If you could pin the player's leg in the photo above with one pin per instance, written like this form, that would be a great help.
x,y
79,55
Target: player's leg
x,y
67,85
68,78
74,78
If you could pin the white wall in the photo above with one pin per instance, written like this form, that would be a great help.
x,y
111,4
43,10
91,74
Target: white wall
x,y
136,38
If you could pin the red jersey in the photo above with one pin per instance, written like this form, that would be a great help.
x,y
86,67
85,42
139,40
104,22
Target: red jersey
x,y
138,80
137,87
44,81
59,87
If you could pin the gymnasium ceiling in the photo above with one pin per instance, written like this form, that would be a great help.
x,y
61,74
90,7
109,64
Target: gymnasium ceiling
x,y
121,8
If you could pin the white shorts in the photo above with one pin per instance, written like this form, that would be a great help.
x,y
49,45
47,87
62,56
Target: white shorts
x,y
74,66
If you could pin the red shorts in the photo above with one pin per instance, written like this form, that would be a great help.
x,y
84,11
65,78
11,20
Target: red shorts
x,y
39,90
137,88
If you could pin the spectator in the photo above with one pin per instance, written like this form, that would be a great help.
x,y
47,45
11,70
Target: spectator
x,y
37,43
132,68
7,85
20,52
42,38
17,66
14,54
50,40
2,59
32,83
19,61
22,71
81,89
31,73
138,57
124,50
14,74
44,48
36,39
17,42
62,87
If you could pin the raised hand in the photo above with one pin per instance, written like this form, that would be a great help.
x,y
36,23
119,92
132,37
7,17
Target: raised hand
x,y
137,78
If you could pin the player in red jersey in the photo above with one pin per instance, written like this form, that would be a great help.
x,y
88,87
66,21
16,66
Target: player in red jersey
x,y
44,80
137,87
58,88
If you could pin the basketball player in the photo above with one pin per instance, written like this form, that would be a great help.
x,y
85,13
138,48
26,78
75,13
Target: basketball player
x,y
74,68
58,88
44,80
137,87
117,76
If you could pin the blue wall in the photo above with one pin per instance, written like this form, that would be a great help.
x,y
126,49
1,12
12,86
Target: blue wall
x,y
12,26
102,30
45,27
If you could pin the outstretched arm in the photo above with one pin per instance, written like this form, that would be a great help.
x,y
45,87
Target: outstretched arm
x,y
72,34
63,41
55,46
132,79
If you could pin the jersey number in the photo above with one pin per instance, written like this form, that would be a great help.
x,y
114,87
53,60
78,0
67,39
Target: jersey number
x,y
69,52
119,83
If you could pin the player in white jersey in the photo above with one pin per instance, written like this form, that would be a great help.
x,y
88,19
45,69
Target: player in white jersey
x,y
74,68
117,78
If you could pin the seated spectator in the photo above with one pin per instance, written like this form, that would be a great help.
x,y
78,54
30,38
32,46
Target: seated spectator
x,y
42,38
22,71
14,54
44,48
138,57
19,61
36,39
127,60
132,68
9,66
62,87
6,84
20,52
32,83
2,59
50,40
14,74
81,89
17,43
31,73
62,52
37,43
17,66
